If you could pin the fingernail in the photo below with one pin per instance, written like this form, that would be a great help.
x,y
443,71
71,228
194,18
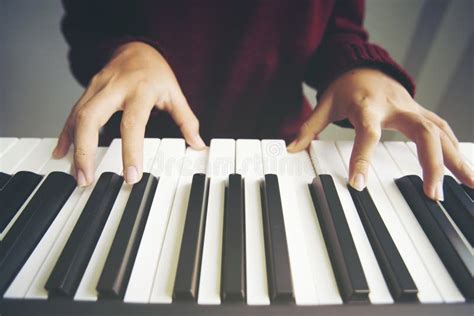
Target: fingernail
x,y
131,175
359,182
198,141
81,178
439,191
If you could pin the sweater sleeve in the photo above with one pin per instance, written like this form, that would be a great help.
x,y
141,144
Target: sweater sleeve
x,y
345,46
95,29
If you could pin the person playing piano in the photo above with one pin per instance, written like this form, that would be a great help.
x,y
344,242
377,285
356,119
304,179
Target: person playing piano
x,y
235,69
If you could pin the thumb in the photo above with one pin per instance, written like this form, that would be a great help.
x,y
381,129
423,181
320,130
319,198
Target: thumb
x,y
316,123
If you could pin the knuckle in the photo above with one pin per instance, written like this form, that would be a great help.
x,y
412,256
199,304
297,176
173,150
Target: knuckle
x,y
98,77
428,127
129,122
83,114
361,164
80,154
143,86
306,129
443,124
372,133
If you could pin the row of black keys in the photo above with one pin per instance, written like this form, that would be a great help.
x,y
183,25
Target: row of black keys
x,y
69,269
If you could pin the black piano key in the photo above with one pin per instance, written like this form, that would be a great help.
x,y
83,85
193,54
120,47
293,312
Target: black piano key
x,y
72,262
15,193
233,245
189,263
468,190
4,178
395,272
119,263
342,252
280,286
444,239
43,207
460,207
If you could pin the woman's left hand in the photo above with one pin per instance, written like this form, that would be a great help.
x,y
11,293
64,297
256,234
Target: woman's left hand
x,y
372,101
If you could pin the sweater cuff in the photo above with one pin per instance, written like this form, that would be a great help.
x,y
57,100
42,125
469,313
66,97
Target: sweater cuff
x,y
344,57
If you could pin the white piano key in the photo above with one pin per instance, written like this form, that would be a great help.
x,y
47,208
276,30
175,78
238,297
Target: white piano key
x,y
166,166
276,160
6,143
22,281
64,164
387,171
326,159
40,156
10,161
87,288
162,292
412,147
427,292
319,262
249,164
467,149
404,158
72,210
33,161
220,164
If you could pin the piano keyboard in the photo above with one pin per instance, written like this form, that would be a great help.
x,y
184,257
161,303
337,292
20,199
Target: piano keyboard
x,y
242,227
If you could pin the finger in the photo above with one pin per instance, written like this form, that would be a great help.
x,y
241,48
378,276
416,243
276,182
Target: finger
x,y
132,130
66,137
64,142
427,137
443,126
187,122
88,120
454,162
368,133
317,122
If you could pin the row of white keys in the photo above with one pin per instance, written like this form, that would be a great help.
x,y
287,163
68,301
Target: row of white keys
x,y
25,277
276,161
327,160
22,158
220,164
87,287
166,167
319,262
6,143
162,291
105,161
249,164
387,171
427,292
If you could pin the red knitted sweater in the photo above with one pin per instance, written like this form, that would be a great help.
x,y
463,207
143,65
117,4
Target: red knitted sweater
x,y
239,63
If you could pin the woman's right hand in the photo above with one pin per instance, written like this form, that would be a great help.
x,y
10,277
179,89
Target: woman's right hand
x,y
136,79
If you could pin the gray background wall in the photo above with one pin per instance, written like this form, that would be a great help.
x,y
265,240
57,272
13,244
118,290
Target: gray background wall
x,y
433,39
